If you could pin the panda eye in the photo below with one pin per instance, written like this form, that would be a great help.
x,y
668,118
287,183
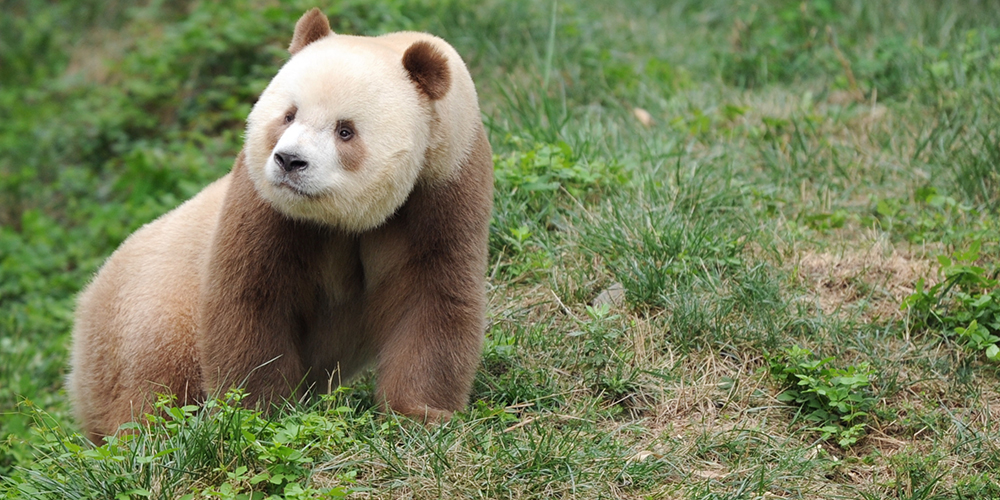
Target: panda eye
x,y
290,116
345,131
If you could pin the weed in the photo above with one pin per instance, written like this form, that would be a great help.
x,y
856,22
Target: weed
x,y
965,305
777,44
536,184
836,401
218,450
935,216
604,360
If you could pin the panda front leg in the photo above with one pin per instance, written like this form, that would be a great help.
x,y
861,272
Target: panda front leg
x,y
253,319
257,297
425,299
429,349
253,350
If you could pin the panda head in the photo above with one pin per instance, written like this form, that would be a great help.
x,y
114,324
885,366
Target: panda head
x,y
344,131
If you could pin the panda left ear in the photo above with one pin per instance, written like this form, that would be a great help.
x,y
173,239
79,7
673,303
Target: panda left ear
x,y
428,69
312,26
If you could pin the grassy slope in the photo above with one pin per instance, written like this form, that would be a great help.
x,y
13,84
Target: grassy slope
x,y
804,165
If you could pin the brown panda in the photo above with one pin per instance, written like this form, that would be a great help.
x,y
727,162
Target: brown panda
x,y
352,231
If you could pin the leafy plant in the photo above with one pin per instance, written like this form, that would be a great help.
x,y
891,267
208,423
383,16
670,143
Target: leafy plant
x,y
535,184
965,305
835,400
936,216
539,170
218,450
605,363
777,43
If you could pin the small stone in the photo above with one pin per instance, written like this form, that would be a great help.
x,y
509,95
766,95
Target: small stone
x,y
613,296
643,116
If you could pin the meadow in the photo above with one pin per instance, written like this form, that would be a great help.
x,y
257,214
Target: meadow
x,y
740,249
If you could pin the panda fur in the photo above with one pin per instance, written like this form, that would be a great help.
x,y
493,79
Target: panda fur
x,y
351,232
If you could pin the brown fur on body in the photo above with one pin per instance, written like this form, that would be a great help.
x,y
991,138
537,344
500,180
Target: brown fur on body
x,y
425,291
227,290
414,286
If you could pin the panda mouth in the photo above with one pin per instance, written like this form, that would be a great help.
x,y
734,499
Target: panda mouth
x,y
289,185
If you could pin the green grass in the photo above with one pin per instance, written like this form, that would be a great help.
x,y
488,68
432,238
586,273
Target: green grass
x,y
810,168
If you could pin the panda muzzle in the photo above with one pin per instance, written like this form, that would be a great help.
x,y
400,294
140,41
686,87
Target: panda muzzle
x,y
290,162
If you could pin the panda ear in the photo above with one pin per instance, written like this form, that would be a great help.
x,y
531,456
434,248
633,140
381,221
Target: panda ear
x,y
428,69
312,26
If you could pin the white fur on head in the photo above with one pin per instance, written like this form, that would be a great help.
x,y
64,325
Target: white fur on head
x,y
407,126
336,81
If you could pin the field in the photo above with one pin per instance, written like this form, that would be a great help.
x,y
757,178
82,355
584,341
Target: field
x,y
740,250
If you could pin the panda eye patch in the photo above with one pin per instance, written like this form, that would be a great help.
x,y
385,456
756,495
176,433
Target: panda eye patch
x,y
345,130
290,116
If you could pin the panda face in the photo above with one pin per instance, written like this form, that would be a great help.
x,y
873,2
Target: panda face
x,y
340,135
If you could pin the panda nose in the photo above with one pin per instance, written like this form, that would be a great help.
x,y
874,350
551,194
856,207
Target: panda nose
x,y
289,162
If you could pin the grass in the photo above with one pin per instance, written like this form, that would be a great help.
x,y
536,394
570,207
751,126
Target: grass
x,y
806,170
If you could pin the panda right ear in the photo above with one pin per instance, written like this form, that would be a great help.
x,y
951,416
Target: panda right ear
x,y
312,26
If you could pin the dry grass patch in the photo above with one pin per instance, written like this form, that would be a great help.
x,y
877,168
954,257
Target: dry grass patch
x,y
869,280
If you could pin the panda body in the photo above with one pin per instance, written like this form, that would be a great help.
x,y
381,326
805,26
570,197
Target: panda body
x,y
351,232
